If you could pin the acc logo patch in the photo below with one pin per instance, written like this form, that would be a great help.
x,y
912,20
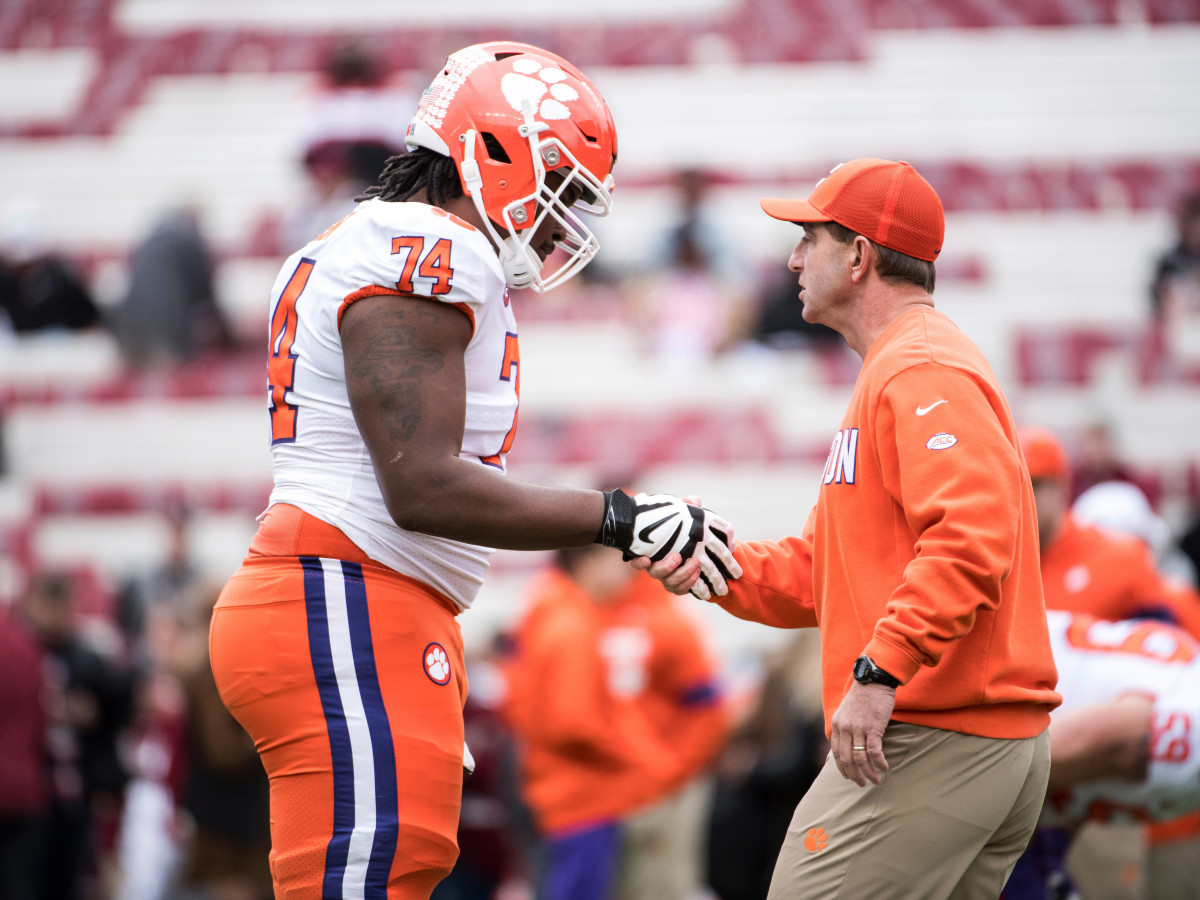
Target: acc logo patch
x,y
437,664
941,441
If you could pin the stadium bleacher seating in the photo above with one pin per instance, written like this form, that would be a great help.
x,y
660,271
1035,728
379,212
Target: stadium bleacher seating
x,y
1060,134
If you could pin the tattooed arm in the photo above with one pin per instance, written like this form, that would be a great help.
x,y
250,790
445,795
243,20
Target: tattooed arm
x,y
407,386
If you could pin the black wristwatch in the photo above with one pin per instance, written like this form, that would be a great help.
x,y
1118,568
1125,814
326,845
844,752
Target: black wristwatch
x,y
866,672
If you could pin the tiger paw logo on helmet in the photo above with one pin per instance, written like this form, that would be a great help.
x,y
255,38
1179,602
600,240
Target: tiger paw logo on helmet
x,y
520,87
437,664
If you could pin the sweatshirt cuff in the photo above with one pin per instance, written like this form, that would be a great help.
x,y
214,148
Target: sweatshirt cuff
x,y
892,659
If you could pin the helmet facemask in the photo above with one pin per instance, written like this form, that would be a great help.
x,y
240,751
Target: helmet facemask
x,y
579,191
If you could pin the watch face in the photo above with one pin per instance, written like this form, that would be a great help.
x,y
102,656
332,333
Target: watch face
x,y
861,669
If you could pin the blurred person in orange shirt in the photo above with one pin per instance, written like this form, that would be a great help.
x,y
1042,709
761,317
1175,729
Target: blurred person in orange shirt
x,y
616,708
1122,508
1087,569
1172,864
1123,752
1109,572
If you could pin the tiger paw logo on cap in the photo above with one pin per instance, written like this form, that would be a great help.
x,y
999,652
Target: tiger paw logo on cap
x,y
437,664
941,441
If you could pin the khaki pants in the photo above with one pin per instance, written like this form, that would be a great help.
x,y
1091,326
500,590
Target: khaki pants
x,y
948,821
1173,870
662,846
1107,861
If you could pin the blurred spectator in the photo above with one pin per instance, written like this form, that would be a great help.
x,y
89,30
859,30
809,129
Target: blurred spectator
x,y
170,584
693,313
604,663
356,121
1083,568
91,704
170,312
329,193
781,324
1098,459
196,823
358,113
3,447
24,784
690,298
39,290
768,764
1176,282
225,792
151,835
1175,291
695,231
1189,540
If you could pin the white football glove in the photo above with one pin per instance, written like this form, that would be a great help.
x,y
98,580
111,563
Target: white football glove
x,y
655,525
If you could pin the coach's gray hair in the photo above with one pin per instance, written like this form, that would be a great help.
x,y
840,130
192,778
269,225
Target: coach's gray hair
x,y
892,265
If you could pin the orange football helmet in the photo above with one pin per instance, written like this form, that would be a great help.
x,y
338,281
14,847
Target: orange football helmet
x,y
508,114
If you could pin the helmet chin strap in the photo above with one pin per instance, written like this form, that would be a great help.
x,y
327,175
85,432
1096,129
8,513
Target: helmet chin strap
x,y
522,268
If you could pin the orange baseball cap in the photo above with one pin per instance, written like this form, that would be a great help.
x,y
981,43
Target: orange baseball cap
x,y
885,201
1044,455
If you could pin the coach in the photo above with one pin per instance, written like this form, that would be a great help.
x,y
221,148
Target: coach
x,y
919,564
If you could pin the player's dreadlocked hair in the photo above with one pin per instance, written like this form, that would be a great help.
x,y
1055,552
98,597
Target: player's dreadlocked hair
x,y
406,175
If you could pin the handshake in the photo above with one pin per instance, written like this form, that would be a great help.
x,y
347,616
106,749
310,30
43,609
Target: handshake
x,y
656,525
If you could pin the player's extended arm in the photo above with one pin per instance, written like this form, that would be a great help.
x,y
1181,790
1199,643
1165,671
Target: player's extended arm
x,y
407,387
1109,740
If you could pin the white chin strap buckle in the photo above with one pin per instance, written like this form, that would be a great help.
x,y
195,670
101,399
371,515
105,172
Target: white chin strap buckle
x,y
521,267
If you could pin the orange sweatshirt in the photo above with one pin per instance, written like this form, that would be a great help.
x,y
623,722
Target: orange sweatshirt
x,y
1110,576
576,700
922,550
682,698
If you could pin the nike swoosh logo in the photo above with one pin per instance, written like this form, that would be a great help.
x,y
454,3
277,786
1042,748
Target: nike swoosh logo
x,y
644,534
921,410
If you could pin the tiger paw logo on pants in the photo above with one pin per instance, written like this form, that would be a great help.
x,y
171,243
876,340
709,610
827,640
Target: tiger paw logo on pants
x,y
815,840
437,664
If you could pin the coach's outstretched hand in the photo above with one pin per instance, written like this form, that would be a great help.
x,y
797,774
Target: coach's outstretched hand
x,y
652,526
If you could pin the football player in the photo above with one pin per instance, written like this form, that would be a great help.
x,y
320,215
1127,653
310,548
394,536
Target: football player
x,y
1124,742
394,373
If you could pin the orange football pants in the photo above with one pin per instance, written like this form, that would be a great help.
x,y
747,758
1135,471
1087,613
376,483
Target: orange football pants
x,y
349,678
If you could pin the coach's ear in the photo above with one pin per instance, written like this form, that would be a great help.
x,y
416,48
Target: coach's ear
x,y
862,258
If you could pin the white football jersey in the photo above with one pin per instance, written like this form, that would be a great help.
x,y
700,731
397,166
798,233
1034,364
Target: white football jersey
x,y
321,463
1099,661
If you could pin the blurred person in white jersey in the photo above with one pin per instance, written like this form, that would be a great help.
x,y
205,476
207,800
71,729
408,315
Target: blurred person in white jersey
x,y
394,375
1124,745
